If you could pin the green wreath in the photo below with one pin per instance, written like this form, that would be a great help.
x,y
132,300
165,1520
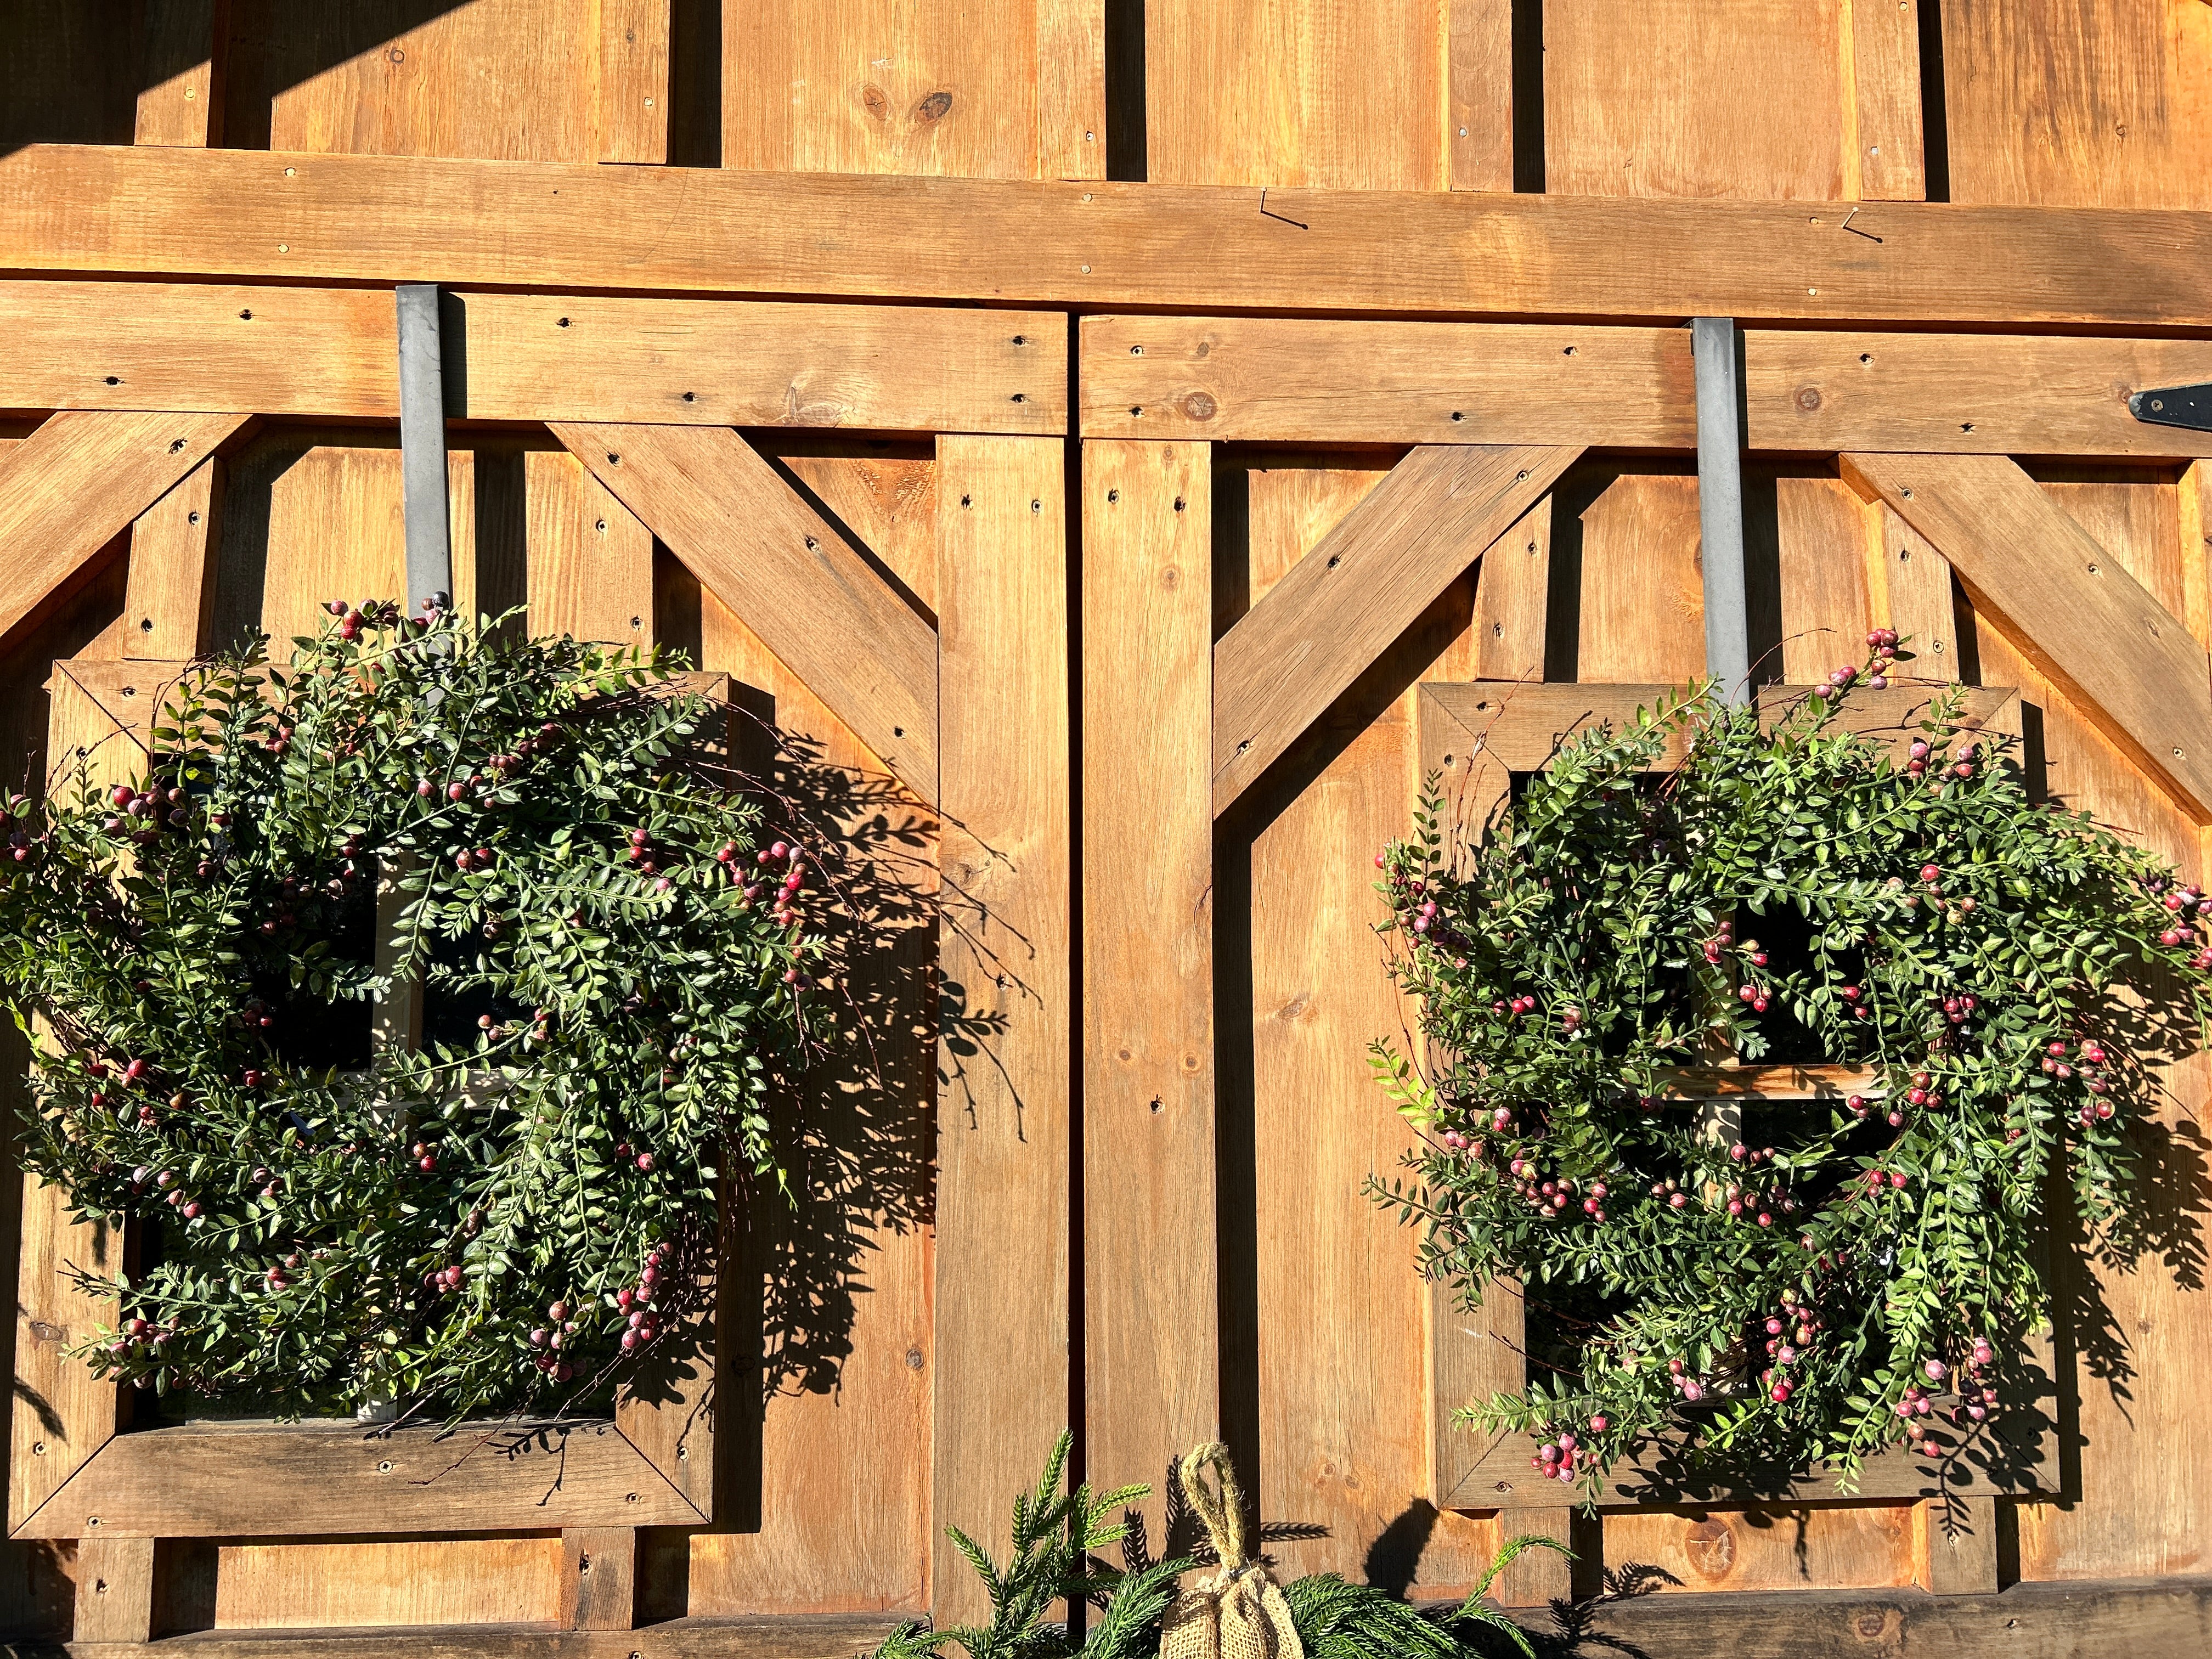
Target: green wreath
x,y
1832,1279
611,971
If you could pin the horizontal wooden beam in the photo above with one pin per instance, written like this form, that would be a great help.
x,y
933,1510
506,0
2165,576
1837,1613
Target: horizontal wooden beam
x,y
1335,380
299,217
69,488
1521,726
273,1480
2066,601
788,574
329,353
1363,585
2148,1617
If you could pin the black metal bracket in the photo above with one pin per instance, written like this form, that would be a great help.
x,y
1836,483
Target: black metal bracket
x,y
2174,405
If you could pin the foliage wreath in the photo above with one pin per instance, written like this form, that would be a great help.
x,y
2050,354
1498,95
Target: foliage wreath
x,y
2008,975
485,1220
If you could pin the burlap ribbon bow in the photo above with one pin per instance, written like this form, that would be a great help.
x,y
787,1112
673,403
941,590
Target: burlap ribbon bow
x,y
1239,1612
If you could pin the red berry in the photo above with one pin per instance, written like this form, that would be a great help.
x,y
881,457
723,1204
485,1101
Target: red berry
x,y
1928,872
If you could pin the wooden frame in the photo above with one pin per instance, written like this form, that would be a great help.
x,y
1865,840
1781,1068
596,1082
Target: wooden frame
x,y
1091,242
991,762
1473,737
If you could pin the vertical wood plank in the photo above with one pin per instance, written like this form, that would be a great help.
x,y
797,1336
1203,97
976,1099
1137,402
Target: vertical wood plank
x,y
1665,99
590,560
1070,88
1336,1339
64,1415
598,1577
631,116
169,599
1538,1575
1643,612
1955,1545
1883,47
115,1590
178,105
1479,88
826,1351
1006,1043
1821,527
2193,510
1512,591
1343,94
1917,582
1151,1343
891,85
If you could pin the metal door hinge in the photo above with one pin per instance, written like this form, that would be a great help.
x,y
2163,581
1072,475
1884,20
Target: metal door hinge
x,y
2175,405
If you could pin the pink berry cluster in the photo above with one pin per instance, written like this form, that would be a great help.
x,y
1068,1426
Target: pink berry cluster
x,y
2187,906
1550,1197
1751,1203
369,613
1566,1456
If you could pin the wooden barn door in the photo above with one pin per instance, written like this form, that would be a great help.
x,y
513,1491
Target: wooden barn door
x,y
1318,521
889,612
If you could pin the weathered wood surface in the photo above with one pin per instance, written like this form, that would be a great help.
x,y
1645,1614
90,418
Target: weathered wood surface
x,y
2027,1621
329,353
814,599
170,600
238,213
78,480
271,1480
2065,599
1334,612
1151,1310
1319,380
1006,1041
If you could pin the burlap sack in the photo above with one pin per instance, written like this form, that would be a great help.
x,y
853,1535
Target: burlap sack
x,y
1239,1612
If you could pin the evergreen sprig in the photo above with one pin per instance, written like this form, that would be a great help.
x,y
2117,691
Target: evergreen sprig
x,y
1056,1537
1829,1277
613,979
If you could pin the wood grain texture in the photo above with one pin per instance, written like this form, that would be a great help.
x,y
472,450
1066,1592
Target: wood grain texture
x,y
1652,100
878,86
1512,596
1954,1545
1885,136
2136,1513
886,492
1964,394
1821,561
377,219
598,1577
329,353
67,489
1318,380
591,560
1006,1039
222,1480
810,596
1071,89
1364,583
1749,1551
1478,93
63,1415
1338,1357
1916,590
180,104
115,1590
2062,101
1637,535
826,1348
1150,1281
2027,1621
630,116
502,80
1521,727
1313,380
1327,92
305,1586
169,604
2066,601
